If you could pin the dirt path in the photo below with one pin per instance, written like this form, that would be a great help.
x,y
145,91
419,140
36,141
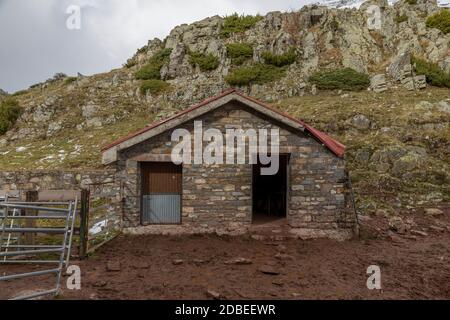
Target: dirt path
x,y
159,267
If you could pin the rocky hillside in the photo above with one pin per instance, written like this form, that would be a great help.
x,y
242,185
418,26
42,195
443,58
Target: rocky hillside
x,y
398,138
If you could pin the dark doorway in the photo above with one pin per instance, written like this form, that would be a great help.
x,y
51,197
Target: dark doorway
x,y
270,193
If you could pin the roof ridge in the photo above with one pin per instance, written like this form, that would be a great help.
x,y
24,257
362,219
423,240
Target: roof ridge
x,y
335,146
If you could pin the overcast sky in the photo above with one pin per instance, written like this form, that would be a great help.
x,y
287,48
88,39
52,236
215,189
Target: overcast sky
x,y
35,42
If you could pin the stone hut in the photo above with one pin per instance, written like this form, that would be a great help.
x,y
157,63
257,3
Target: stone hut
x,y
307,192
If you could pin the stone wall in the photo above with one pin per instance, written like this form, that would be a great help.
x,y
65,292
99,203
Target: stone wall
x,y
105,191
217,198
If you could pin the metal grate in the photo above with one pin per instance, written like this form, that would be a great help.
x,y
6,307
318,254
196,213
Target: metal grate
x,y
161,209
8,250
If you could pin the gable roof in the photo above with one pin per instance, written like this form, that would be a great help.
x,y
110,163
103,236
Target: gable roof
x,y
156,128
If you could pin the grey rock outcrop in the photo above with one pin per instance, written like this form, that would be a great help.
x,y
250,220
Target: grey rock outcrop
x,y
378,83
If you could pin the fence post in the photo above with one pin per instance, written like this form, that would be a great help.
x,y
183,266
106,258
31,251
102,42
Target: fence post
x,y
84,223
30,196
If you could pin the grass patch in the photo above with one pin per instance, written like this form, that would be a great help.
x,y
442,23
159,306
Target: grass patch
x,y
341,79
206,62
259,74
435,75
153,86
239,52
411,2
152,70
238,24
9,113
401,18
280,60
69,80
19,93
440,20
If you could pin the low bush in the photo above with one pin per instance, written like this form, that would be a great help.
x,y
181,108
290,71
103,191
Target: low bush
x,y
9,113
280,60
435,75
239,52
70,80
440,20
152,70
401,18
412,2
342,79
259,74
206,62
153,86
237,24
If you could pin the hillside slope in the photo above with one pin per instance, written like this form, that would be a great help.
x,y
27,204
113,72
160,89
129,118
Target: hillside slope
x,y
398,140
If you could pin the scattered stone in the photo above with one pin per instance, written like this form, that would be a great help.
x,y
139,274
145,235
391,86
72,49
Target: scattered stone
x,y
443,106
398,225
213,294
269,270
177,262
314,90
282,256
378,83
433,212
437,229
394,238
278,283
282,248
199,262
113,266
141,265
361,122
99,284
419,233
239,261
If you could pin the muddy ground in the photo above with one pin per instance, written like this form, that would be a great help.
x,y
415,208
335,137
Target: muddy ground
x,y
414,265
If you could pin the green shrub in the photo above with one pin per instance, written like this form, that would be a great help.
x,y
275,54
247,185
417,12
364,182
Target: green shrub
x,y
402,18
237,24
280,60
153,86
342,79
206,62
440,20
9,112
412,2
259,73
152,70
70,80
239,52
435,75
130,63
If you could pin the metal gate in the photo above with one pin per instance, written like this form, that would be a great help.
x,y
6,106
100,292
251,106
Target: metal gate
x,y
12,222
161,200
